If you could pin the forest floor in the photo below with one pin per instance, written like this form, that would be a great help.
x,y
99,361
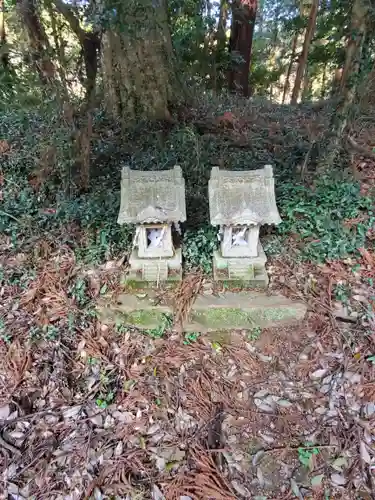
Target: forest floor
x,y
93,411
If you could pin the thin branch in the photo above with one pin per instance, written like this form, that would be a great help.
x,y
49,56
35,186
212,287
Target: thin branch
x,y
73,21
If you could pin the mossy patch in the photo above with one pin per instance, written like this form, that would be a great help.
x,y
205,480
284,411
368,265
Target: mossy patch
x,y
245,284
220,317
144,318
223,317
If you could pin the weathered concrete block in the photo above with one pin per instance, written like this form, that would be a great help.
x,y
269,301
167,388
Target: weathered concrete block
x,y
229,311
243,310
139,312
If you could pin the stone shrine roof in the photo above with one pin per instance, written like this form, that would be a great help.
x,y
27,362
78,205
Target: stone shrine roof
x,y
242,197
152,196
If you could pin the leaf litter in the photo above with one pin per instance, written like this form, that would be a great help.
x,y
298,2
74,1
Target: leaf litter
x,y
92,411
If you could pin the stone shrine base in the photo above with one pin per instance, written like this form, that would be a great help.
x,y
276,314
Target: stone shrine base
x,y
247,271
227,311
157,270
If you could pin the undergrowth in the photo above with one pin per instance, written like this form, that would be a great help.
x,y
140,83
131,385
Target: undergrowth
x,y
326,222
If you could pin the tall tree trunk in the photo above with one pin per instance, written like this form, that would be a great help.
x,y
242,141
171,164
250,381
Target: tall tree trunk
x,y
324,81
305,50
90,43
290,67
39,44
336,82
350,83
221,42
355,41
221,36
306,86
240,44
59,51
139,73
4,57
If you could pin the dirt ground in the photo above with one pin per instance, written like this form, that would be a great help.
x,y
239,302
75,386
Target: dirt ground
x,y
102,412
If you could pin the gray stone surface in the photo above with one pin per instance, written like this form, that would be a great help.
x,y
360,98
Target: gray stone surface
x,y
140,311
242,197
244,310
209,313
153,200
250,270
240,202
156,270
152,196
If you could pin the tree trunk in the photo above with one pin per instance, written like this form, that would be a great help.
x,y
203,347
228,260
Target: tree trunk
x,y
58,49
4,57
324,82
139,75
221,36
305,51
89,41
221,42
355,41
350,83
240,44
290,67
39,44
306,86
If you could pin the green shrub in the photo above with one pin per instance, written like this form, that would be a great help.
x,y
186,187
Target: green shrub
x,y
331,220
198,247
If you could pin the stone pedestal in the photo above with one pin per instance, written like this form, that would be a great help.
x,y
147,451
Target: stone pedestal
x,y
155,270
246,271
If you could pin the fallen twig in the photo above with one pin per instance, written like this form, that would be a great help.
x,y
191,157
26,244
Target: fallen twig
x,y
9,447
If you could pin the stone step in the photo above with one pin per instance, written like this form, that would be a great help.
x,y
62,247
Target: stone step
x,y
155,271
228,311
243,310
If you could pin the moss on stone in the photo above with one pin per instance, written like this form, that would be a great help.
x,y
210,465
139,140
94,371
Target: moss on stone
x,y
144,318
223,317
277,313
244,284
135,285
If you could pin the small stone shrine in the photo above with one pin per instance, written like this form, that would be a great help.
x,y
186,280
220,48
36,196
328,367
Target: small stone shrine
x,y
240,202
155,202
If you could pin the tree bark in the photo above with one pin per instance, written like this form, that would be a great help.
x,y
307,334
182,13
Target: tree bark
x,y
39,44
355,41
305,50
4,57
139,74
240,44
306,86
290,67
221,43
324,82
349,85
221,36
90,44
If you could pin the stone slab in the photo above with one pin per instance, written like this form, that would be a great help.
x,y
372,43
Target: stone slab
x,y
244,310
133,311
209,313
